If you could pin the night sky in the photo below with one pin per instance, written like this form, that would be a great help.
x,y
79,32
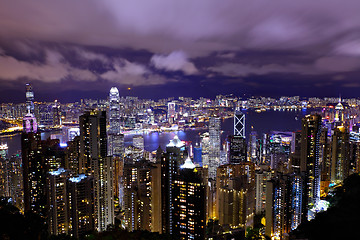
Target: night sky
x,y
78,49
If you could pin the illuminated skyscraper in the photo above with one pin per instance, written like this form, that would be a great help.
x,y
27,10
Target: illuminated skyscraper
x,y
34,167
4,171
58,219
81,205
171,112
170,162
56,111
94,160
139,180
237,149
215,143
115,138
284,195
340,159
235,195
138,142
310,161
239,124
29,99
261,177
189,208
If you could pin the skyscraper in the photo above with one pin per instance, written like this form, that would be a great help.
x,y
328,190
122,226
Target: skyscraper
x,y
171,112
189,207
29,99
239,123
115,138
139,180
34,167
215,143
170,162
235,195
58,219
310,161
340,159
56,110
94,160
138,141
237,149
81,204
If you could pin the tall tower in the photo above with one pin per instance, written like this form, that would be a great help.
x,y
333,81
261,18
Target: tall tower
x,y
81,205
94,160
214,149
115,138
239,123
58,200
237,143
174,156
340,159
34,167
56,110
310,160
171,112
189,203
29,99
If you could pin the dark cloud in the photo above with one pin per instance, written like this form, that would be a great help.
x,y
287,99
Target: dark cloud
x,y
207,45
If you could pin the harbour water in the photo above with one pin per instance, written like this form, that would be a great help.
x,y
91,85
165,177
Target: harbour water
x,y
262,122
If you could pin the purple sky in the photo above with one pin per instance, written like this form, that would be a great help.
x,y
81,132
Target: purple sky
x,y
160,48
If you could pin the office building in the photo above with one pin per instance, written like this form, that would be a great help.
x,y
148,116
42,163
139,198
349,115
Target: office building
x,y
94,161
310,161
29,99
235,195
115,138
58,218
141,184
189,207
170,163
81,205
214,145
340,155
237,150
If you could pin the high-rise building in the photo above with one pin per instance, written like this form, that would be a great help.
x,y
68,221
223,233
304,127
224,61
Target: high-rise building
x,y
283,204
14,177
261,177
81,205
310,161
340,158
170,162
93,139
239,124
34,168
115,138
237,149
215,143
56,111
171,112
4,171
94,161
198,154
235,195
29,99
58,219
139,184
189,203
138,141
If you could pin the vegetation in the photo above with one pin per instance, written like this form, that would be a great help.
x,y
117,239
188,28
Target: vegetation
x,y
341,220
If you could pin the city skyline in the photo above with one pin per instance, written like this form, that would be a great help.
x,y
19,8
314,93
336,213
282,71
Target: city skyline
x,y
179,49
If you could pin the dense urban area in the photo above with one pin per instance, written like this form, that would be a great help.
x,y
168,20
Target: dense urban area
x,y
75,177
